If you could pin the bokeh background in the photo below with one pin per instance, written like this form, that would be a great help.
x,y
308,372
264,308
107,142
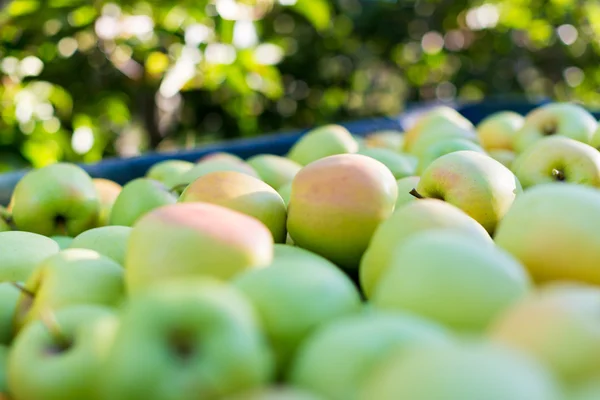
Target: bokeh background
x,y
83,80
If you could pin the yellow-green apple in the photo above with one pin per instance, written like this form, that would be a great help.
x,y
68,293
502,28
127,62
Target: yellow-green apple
x,y
278,392
405,186
9,296
274,170
321,142
558,159
185,240
168,172
474,182
137,198
400,165
63,241
552,230
498,130
285,192
243,193
505,157
386,139
472,370
335,360
186,340
557,325
3,366
595,142
108,191
221,156
337,203
431,137
293,299
70,277
212,165
443,147
21,252
110,241
297,257
407,221
439,274
62,356
561,119
59,199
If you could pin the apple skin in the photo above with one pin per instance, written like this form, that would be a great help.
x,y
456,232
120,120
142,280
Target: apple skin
x,y
294,299
109,241
22,252
405,185
70,277
59,199
587,391
575,161
9,296
476,183
321,142
552,230
198,339
498,130
297,257
400,165
274,170
194,239
595,142
336,359
63,241
505,157
220,156
108,191
437,274
3,367
275,393
387,139
39,369
472,370
242,193
137,198
337,203
560,119
168,172
206,166
285,192
407,221
556,325
443,147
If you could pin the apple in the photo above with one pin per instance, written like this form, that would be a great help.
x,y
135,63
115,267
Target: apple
x,y
243,193
443,147
400,165
275,393
337,358
294,299
472,370
337,203
214,164
5,220
3,362
284,254
474,182
321,142
558,159
192,339
498,130
186,240
587,391
63,357
558,326
505,157
595,142
285,192
560,119
552,230
274,170
71,277
109,241
449,278
22,252
63,241
386,139
220,155
59,199
405,186
168,172
407,221
108,191
9,295
137,198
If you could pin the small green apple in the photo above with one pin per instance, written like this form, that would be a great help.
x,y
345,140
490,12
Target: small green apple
x,y
505,157
285,192
22,252
168,172
110,241
400,165
443,147
108,191
327,140
386,139
275,171
405,186
63,241
9,296
498,130
213,165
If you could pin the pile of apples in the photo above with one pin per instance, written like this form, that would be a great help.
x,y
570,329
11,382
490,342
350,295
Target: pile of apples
x,y
448,262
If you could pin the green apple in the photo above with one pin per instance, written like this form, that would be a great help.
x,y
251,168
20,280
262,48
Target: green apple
x,y
63,241
505,157
407,221
438,274
335,360
474,182
137,198
498,130
243,193
220,155
22,252
561,119
552,230
473,371
587,391
400,165
595,142
292,300
60,199
431,137
558,326
443,147
285,192
110,241
108,191
9,296
558,159
168,172
3,367
285,254
61,359
386,139
405,186
274,170
194,239
337,203
324,141
71,277
192,339
275,393
213,165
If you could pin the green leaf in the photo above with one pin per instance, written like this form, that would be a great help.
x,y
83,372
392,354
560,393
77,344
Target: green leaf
x,y
317,12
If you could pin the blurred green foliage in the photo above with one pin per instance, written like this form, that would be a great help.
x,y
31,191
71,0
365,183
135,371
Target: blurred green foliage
x,y
81,80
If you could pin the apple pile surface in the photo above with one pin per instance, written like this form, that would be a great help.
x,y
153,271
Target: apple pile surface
x,y
447,262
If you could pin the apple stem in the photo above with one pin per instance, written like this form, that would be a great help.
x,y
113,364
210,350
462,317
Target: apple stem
x,y
23,289
558,175
178,188
416,194
48,318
